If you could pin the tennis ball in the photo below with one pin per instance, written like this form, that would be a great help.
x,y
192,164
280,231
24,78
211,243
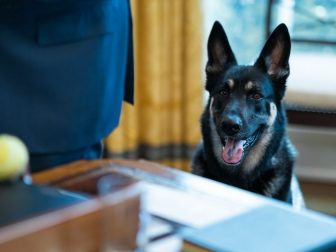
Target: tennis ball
x,y
13,158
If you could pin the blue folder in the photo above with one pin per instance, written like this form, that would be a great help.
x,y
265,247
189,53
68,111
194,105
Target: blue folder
x,y
266,228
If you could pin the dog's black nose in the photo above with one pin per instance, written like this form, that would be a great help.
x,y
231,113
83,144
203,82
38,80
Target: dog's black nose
x,y
231,125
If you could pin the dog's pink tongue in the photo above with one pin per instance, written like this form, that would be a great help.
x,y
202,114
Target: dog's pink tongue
x,y
233,151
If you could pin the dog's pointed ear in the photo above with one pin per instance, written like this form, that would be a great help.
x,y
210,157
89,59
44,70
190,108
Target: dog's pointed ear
x,y
274,57
220,55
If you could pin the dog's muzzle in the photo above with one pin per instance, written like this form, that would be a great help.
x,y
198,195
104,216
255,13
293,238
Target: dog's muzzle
x,y
235,148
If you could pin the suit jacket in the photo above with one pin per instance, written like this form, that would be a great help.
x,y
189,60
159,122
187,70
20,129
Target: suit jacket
x,y
65,67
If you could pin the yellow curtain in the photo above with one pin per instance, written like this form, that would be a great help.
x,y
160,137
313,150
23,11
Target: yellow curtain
x,y
163,125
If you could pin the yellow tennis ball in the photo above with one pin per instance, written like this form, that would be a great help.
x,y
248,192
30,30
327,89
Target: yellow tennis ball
x,y
13,157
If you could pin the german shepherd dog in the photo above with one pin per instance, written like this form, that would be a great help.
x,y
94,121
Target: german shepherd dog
x,y
244,122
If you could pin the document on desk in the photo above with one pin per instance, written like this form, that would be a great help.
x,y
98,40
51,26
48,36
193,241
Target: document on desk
x,y
263,229
192,210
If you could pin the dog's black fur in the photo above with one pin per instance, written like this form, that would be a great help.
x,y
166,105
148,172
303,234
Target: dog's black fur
x,y
245,111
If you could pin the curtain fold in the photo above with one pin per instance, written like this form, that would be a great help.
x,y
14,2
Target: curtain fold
x,y
163,125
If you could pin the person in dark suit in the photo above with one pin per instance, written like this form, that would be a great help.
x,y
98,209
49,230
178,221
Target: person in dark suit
x,y
65,68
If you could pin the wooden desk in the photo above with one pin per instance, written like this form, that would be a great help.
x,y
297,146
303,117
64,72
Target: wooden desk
x,y
176,197
176,186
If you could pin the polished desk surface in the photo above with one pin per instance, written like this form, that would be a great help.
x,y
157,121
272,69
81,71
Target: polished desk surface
x,y
172,196
165,186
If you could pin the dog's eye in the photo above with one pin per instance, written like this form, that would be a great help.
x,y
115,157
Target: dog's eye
x,y
224,92
257,96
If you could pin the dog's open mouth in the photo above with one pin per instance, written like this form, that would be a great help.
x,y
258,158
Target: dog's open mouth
x,y
233,149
